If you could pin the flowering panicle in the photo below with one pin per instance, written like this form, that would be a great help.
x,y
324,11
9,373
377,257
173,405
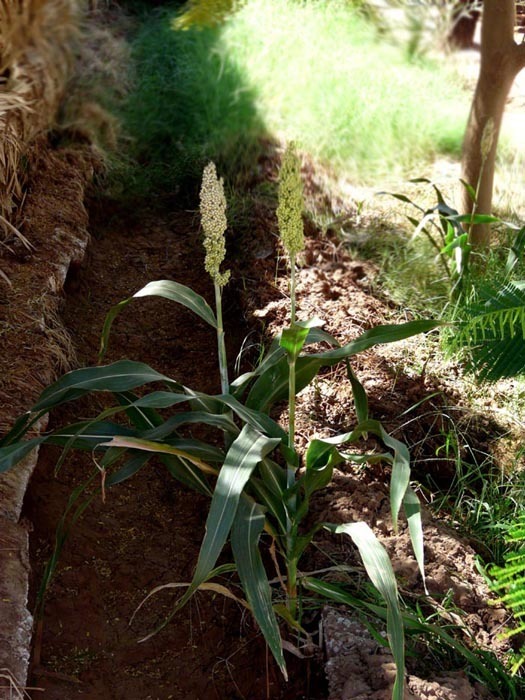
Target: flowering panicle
x,y
213,219
290,208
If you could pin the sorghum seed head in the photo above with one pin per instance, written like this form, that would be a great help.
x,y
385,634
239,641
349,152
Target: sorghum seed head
x,y
213,219
290,208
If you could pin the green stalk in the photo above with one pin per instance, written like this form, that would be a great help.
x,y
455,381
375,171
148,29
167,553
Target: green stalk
x,y
289,217
292,288
291,563
291,376
221,346
291,585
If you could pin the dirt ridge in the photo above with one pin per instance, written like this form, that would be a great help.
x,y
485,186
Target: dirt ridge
x,y
36,347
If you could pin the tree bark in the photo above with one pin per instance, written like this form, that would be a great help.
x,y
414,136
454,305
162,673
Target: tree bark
x,y
501,60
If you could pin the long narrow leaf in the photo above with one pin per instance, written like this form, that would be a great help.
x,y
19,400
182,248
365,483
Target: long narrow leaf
x,y
400,461
400,478
184,471
135,443
415,528
130,468
381,573
272,386
483,664
12,454
221,421
293,338
377,336
275,353
21,427
246,530
117,377
142,418
247,450
256,418
169,290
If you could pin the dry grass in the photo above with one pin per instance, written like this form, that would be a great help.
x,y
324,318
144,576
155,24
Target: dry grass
x,y
10,689
35,57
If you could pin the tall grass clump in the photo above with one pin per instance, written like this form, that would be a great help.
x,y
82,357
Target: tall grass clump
x,y
190,104
314,72
325,78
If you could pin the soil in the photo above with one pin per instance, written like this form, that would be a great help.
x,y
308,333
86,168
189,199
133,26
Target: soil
x,y
148,530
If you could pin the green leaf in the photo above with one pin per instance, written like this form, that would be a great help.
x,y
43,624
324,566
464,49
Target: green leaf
x,y
360,397
160,399
245,534
459,242
221,421
400,197
182,295
400,461
321,453
87,435
130,468
256,418
12,454
376,336
400,478
184,471
483,663
272,386
169,290
320,461
274,476
474,219
293,338
117,377
143,418
439,196
135,443
471,191
199,449
494,331
415,527
316,479
516,252
247,450
273,503
379,569
21,427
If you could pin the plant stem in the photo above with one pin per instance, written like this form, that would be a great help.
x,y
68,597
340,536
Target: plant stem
x,y
292,586
291,564
292,289
221,346
291,376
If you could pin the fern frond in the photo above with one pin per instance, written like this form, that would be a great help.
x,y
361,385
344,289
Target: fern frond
x,y
493,331
509,582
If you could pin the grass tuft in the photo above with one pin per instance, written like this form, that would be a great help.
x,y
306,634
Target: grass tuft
x,y
315,72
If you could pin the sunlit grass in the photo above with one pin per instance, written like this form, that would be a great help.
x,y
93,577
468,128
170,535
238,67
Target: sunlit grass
x,y
323,76
314,71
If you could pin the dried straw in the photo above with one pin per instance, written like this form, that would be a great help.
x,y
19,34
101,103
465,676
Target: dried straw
x,y
35,56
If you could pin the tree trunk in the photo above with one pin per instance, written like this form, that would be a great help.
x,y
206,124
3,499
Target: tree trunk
x,y
465,16
501,61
